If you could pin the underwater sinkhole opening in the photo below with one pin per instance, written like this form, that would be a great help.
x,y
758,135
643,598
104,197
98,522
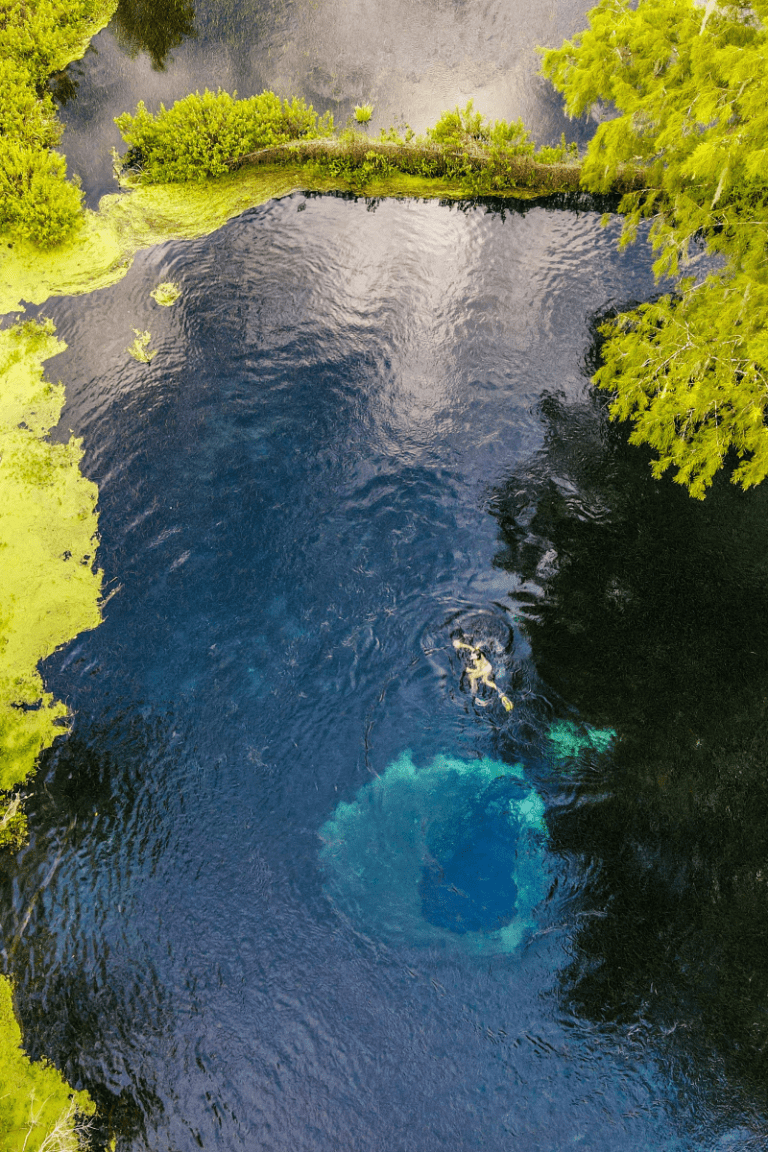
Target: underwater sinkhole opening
x,y
451,853
467,884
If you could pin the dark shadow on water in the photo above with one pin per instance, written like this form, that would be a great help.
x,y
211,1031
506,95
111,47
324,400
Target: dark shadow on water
x,y
83,1002
647,612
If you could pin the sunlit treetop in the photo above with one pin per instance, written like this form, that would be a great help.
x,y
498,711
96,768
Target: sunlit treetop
x,y
689,86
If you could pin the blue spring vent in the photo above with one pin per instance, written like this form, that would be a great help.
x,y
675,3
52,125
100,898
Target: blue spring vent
x,y
451,853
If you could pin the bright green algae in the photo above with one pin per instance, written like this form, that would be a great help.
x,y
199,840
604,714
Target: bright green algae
x,y
48,594
50,591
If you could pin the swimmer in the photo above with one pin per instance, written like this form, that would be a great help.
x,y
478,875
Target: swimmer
x,y
480,671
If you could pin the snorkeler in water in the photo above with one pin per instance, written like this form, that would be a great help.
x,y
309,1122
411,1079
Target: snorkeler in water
x,y
480,671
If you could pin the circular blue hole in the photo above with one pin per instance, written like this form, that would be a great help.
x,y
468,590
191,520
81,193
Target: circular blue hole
x,y
467,884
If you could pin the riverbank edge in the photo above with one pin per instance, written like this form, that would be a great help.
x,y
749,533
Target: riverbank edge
x,y
142,216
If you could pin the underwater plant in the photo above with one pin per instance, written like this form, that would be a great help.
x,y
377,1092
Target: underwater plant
x,y
363,113
140,349
166,293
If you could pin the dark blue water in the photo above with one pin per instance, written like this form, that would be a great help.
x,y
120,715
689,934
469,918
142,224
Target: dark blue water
x,y
368,431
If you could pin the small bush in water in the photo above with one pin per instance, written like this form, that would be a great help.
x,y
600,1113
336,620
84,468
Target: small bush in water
x,y
363,113
200,135
464,126
140,349
166,293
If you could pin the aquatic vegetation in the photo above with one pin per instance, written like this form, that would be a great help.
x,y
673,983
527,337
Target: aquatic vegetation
x,y
144,26
363,113
166,293
463,148
39,1111
203,134
140,349
689,84
569,740
101,251
50,590
36,199
449,854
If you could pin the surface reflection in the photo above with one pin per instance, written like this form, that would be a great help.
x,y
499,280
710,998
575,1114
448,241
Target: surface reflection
x,y
153,27
647,612
411,60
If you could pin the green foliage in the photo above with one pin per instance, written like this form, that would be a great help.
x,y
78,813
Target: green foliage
x,y
356,168
25,117
166,293
463,127
690,88
37,38
46,35
38,1110
363,113
208,135
13,822
202,135
36,199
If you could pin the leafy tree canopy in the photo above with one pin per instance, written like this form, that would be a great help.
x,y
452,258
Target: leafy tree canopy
x,y
689,84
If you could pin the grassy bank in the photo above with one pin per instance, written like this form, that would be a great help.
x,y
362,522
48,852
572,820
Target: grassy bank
x,y
208,135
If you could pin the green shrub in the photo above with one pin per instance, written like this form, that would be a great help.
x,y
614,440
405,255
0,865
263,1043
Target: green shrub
x,y
558,153
38,37
201,135
357,172
46,35
463,127
25,117
36,199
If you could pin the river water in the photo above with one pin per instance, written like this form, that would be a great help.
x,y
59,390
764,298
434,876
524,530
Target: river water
x,y
296,880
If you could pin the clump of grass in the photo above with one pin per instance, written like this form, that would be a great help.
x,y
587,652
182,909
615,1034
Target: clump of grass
x,y
363,113
140,348
166,293
201,135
